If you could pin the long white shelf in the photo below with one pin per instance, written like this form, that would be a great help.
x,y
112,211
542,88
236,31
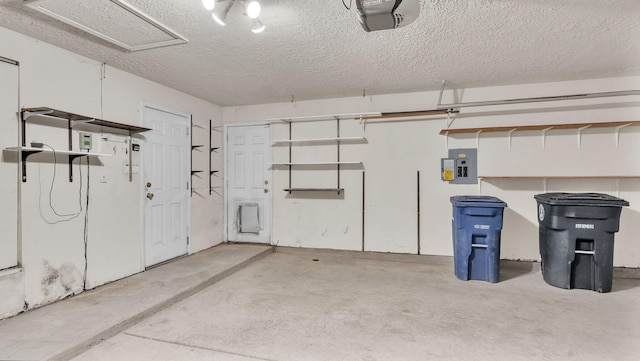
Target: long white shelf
x,y
62,152
319,163
561,177
321,140
317,118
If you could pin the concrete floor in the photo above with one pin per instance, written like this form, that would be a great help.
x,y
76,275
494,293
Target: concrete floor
x,y
356,306
289,307
66,328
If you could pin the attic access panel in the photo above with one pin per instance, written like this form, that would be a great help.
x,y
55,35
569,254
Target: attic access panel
x,y
115,21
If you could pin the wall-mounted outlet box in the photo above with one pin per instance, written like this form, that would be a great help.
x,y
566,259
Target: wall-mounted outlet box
x,y
85,140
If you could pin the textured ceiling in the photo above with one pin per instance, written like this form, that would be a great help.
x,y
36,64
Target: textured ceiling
x,y
314,49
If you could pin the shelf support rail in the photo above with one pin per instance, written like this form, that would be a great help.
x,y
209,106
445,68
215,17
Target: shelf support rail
x,y
511,136
451,106
580,135
544,137
617,133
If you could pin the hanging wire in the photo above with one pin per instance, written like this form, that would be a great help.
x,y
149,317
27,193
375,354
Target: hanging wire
x,y
71,215
345,4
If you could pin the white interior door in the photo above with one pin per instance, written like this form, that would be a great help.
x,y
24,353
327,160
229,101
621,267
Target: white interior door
x,y
166,178
248,181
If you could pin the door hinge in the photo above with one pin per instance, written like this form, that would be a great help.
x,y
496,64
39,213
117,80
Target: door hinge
x,y
188,240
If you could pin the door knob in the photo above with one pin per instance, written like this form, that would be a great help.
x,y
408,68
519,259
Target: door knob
x,y
148,184
150,196
266,190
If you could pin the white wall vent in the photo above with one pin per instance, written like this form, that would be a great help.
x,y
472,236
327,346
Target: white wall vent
x,y
115,21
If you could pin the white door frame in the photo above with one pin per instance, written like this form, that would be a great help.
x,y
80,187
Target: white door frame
x,y
142,184
226,167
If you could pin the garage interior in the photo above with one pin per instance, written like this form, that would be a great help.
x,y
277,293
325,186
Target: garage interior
x,y
279,188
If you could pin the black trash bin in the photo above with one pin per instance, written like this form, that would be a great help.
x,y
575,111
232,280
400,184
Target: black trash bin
x,y
477,225
576,238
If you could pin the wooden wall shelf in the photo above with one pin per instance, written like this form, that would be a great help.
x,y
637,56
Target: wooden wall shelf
x,y
539,127
60,114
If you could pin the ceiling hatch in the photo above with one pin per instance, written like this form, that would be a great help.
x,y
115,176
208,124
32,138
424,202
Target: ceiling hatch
x,y
115,21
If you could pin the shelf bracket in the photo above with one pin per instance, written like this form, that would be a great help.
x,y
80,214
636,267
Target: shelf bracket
x,y
72,157
544,137
617,133
478,139
449,119
580,135
25,155
510,136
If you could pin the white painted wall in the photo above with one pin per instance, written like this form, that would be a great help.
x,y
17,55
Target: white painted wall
x,y
398,149
53,258
8,166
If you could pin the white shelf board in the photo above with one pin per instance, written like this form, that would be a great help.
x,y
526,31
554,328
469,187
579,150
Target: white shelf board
x,y
316,118
319,163
561,177
320,140
62,152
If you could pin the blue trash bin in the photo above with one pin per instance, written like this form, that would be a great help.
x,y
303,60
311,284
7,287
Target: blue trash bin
x,y
477,224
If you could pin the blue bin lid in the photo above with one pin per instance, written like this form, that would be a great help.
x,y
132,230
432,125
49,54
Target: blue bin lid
x,y
477,201
581,199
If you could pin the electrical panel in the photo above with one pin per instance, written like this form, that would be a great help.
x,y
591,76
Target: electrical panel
x,y
461,167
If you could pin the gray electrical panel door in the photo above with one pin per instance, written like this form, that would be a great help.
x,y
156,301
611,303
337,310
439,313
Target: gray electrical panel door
x,y
465,165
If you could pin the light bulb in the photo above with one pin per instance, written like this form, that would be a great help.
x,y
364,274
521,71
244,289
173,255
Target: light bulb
x,y
209,4
253,9
218,20
257,26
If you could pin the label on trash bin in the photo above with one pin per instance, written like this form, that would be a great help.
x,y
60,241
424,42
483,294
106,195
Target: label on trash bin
x,y
585,226
541,213
481,226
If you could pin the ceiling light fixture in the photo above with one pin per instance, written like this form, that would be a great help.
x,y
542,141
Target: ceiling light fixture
x,y
209,4
220,9
253,9
257,26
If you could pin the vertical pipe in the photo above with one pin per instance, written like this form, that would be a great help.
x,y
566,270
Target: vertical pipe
x,y
363,205
69,157
210,151
24,144
290,158
418,209
191,156
130,157
23,121
338,145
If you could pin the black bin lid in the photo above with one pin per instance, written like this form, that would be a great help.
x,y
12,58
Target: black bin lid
x,y
581,199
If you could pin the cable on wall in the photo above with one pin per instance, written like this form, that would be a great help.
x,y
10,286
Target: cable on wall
x,y
71,215
86,228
